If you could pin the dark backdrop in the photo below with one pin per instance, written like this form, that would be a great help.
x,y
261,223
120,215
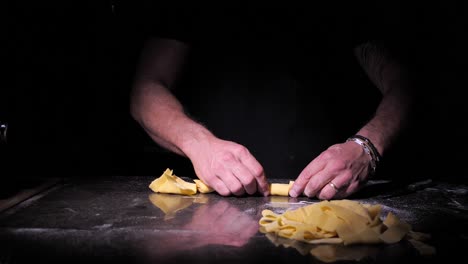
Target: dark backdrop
x,y
68,71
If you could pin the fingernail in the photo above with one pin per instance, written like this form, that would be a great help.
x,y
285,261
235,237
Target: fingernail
x,y
293,193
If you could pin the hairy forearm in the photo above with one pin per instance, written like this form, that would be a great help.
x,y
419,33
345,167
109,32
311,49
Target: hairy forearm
x,y
389,119
390,76
163,118
153,105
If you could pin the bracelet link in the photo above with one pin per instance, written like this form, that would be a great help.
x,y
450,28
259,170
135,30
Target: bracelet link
x,y
370,150
3,132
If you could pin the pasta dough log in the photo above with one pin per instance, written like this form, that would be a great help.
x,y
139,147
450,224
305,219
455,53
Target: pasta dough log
x,y
280,189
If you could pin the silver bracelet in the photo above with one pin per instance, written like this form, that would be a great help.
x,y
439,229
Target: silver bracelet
x,y
369,151
373,149
3,132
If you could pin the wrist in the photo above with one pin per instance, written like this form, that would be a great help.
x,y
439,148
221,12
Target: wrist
x,y
370,149
378,142
193,139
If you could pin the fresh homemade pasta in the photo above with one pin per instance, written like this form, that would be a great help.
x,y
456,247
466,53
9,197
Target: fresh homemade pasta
x,y
337,221
202,187
280,189
170,183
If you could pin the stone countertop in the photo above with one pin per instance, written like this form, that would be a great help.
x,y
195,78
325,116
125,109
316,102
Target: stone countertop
x,y
120,220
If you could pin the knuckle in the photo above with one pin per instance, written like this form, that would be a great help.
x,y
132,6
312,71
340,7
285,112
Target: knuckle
x,y
257,170
249,182
241,150
347,174
216,168
337,165
306,175
327,155
226,157
312,186
337,148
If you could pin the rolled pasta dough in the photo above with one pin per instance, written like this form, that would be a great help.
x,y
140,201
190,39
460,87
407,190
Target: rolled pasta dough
x,y
280,189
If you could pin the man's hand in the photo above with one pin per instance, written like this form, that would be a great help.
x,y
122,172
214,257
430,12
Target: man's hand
x,y
345,165
228,167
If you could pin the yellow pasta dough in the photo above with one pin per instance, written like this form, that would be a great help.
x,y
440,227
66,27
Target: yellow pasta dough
x,y
169,183
337,221
202,187
280,189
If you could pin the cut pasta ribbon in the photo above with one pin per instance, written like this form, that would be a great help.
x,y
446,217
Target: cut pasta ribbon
x,y
170,183
336,222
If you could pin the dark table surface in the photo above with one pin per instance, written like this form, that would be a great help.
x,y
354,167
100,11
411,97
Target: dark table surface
x,y
120,220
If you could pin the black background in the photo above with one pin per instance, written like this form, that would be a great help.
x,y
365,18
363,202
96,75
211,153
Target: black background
x,y
68,71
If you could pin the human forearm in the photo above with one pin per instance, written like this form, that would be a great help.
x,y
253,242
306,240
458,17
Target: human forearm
x,y
389,119
163,118
153,105
226,166
389,75
343,168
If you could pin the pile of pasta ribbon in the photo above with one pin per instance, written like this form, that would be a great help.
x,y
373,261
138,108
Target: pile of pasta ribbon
x,y
337,221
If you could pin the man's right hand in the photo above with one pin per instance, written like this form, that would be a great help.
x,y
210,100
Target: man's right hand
x,y
228,167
